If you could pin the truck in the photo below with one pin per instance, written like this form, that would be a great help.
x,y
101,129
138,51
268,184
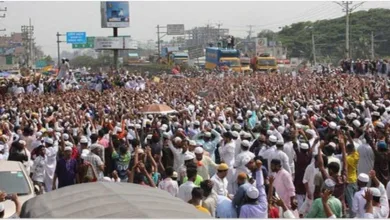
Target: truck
x,y
264,62
246,65
173,56
132,58
222,57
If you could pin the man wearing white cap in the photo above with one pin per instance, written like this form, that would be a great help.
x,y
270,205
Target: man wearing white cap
x,y
207,142
204,163
38,168
66,170
51,162
358,207
379,211
279,154
267,151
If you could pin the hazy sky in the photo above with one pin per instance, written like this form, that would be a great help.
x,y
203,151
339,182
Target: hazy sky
x,y
50,17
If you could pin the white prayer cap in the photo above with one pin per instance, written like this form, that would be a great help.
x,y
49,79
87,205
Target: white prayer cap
x,y
281,129
199,150
49,141
304,146
363,178
68,149
332,125
311,132
207,134
177,140
83,140
188,156
252,192
235,134
332,144
273,139
380,125
245,143
375,192
197,123
356,123
192,143
65,136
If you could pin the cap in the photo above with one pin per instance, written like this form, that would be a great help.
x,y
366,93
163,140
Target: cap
x,y
281,129
174,175
84,153
166,135
22,142
235,134
197,123
329,184
356,123
188,157
65,136
199,150
49,141
245,143
311,132
304,146
192,143
83,140
68,149
376,114
380,125
223,167
332,144
140,151
280,142
177,140
252,192
375,192
363,178
207,134
273,139
332,125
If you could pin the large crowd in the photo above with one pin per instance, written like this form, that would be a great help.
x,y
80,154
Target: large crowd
x,y
237,146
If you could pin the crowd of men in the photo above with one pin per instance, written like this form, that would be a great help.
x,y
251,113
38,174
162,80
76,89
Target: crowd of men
x,y
258,146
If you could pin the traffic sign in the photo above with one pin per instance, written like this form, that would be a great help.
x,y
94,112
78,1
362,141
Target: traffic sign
x,y
90,44
76,37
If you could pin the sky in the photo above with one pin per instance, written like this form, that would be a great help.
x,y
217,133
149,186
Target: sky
x,y
48,18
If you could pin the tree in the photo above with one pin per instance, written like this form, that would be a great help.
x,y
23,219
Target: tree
x,y
48,59
330,36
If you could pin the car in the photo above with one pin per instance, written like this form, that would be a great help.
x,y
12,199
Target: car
x,y
14,180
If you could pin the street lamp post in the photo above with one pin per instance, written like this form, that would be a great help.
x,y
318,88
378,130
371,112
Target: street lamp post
x,y
58,48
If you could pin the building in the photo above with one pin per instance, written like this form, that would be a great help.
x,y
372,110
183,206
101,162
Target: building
x,y
204,35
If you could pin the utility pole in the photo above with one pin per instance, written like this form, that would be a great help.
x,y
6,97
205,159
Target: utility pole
x,y
314,49
248,38
3,16
58,49
345,5
372,46
159,38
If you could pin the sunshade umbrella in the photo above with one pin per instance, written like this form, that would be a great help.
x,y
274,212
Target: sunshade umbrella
x,y
108,200
157,109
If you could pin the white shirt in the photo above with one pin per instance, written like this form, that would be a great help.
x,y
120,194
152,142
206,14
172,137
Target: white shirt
x,y
51,161
185,191
266,153
241,156
309,175
359,203
227,153
288,148
38,169
5,151
170,186
220,186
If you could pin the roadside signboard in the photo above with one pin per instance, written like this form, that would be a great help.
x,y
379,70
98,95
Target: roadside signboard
x,y
109,43
40,64
130,44
175,29
76,37
115,14
195,52
89,44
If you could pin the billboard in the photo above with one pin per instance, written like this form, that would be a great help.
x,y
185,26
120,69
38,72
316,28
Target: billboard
x,y
175,29
195,52
261,45
90,44
115,14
